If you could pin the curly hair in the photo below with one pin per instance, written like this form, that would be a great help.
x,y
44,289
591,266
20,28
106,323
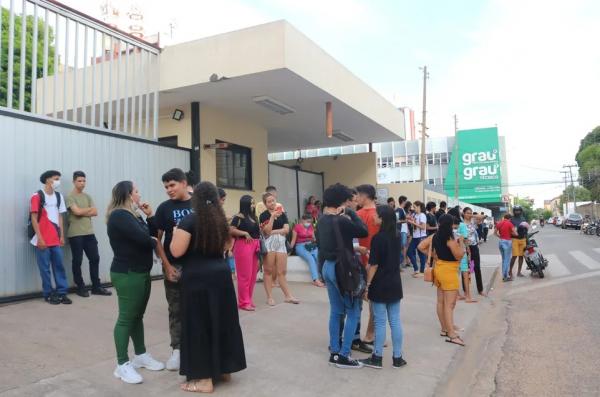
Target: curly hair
x,y
336,195
211,229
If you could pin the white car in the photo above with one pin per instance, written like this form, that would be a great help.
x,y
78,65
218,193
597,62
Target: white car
x,y
559,221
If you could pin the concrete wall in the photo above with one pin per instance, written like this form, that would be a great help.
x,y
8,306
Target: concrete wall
x,y
351,169
414,191
168,127
592,210
216,124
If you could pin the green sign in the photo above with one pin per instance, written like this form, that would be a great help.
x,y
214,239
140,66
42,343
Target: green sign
x,y
479,178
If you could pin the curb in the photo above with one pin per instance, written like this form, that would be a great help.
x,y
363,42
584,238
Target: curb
x,y
492,280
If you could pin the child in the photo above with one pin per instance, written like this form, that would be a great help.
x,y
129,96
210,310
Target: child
x,y
384,287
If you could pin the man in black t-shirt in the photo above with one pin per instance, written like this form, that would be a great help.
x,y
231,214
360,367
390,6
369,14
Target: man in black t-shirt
x,y
441,211
168,215
432,222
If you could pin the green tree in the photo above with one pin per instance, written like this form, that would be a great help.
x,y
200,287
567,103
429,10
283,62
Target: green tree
x,y
541,213
588,159
18,57
528,212
581,194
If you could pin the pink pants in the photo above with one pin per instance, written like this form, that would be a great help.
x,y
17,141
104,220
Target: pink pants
x,y
246,269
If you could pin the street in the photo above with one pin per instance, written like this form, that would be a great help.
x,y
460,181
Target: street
x,y
541,335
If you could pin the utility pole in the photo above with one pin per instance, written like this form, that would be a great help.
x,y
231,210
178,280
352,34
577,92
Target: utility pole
x,y
424,125
572,184
456,190
566,191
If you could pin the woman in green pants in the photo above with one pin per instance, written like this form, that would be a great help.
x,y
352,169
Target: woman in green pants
x,y
132,244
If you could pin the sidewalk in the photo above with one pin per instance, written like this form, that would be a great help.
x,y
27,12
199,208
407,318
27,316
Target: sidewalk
x,y
68,350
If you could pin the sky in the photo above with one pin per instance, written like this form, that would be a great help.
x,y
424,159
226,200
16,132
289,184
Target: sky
x,y
529,67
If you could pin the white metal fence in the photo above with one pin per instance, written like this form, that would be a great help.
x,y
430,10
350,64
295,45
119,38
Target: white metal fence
x,y
34,146
56,62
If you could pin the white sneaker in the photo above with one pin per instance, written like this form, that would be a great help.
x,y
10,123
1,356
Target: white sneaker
x,y
173,362
127,373
146,361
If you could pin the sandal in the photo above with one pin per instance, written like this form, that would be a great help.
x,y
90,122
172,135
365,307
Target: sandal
x,y
444,334
271,302
457,340
194,387
292,300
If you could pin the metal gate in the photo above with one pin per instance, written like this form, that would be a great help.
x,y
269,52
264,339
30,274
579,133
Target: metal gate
x,y
294,187
30,147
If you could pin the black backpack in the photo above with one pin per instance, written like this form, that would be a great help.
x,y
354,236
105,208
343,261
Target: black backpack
x,y
348,269
30,231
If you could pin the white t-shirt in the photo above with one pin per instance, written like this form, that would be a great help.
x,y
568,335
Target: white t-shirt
x,y
50,205
417,232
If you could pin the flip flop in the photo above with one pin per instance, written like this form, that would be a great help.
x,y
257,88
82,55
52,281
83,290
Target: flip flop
x,y
453,341
293,301
444,334
271,302
470,301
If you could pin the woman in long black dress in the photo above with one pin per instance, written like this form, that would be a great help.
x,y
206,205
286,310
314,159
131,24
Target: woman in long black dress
x,y
211,341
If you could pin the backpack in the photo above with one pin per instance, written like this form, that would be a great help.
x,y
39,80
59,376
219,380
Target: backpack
x,y
348,272
30,231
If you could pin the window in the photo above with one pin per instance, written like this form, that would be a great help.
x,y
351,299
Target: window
x,y
234,167
444,158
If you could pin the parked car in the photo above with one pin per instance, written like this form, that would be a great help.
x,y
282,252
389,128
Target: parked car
x,y
550,220
558,221
573,221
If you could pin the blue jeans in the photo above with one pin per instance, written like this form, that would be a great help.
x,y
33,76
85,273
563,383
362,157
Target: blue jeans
x,y
340,307
506,252
311,257
403,240
412,254
231,263
390,312
52,257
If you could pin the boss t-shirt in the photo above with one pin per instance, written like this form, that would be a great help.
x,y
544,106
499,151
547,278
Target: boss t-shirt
x,y
168,215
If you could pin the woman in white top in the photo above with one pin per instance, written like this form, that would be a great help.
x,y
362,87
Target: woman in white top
x,y
419,222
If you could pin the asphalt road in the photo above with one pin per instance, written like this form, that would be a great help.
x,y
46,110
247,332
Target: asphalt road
x,y
541,337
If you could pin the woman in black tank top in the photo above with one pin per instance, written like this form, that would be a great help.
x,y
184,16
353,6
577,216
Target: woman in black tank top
x,y
447,252
441,249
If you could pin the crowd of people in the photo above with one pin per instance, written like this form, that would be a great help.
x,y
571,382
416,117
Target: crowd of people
x,y
353,247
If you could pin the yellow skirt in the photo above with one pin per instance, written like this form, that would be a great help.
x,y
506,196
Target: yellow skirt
x,y
445,275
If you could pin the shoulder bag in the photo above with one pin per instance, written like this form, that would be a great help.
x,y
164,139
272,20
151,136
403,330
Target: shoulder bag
x,y
428,276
